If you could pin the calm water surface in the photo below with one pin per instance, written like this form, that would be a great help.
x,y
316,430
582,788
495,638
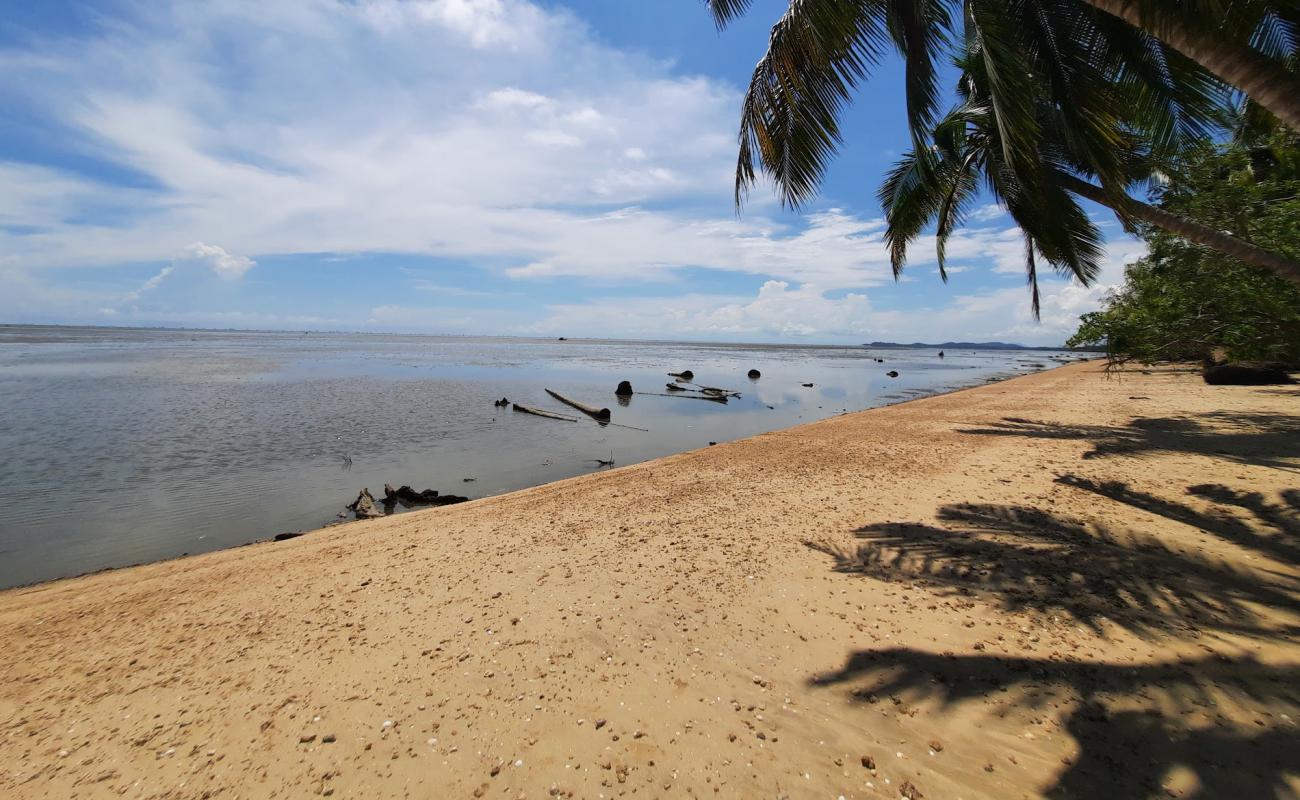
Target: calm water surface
x,y
123,446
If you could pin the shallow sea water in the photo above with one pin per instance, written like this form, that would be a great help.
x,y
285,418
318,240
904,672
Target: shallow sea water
x,y
123,446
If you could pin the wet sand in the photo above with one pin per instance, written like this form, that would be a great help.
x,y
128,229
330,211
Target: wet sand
x,y
1059,585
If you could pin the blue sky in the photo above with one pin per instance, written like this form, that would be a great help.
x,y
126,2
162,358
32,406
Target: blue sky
x,y
518,167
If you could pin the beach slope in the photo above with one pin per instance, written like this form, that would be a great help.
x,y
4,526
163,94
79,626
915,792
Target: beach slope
x,y
1060,585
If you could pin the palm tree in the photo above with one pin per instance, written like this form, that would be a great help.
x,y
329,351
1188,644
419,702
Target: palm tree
x,y
1247,44
1260,74
821,49
1063,90
935,181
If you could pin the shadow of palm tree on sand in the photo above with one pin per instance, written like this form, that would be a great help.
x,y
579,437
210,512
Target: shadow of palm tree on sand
x,y
1134,724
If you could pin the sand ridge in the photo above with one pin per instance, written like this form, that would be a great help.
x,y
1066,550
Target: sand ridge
x,y
1059,585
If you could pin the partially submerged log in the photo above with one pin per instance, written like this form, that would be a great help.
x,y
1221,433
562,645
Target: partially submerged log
x,y
687,396
672,387
601,414
538,412
409,497
685,375
713,390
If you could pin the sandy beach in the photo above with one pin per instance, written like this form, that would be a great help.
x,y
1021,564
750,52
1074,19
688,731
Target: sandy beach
x,y
1062,585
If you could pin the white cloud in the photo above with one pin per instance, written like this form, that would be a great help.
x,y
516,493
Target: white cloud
x,y
986,213
225,265
150,284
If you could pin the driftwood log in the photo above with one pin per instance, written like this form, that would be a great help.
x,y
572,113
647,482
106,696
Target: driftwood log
x,y
601,414
409,497
538,412
1245,375
685,395
364,506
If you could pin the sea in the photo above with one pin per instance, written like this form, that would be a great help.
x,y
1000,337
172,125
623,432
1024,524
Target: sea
x,y
120,446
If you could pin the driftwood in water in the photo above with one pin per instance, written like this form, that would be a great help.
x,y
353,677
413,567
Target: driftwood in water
x,y
541,413
601,414
672,387
409,497
714,390
552,415
717,398
364,506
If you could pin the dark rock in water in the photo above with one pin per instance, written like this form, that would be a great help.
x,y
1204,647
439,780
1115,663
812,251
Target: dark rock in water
x,y
1245,375
940,354
502,403
754,374
685,375
892,374
280,537
624,389
806,385
880,360
712,444
564,339
364,506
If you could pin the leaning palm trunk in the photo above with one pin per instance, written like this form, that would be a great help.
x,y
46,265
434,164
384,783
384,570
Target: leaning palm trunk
x,y
1192,231
1261,79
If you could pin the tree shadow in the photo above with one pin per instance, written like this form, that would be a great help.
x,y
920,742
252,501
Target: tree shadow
x,y
1134,725
1024,558
1276,533
1271,440
1210,722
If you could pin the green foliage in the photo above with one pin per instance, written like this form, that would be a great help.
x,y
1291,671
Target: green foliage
x,y
1185,302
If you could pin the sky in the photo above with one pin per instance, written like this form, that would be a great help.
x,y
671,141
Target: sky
x,y
500,167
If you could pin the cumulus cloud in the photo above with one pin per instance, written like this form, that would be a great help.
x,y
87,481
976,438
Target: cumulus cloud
x,y
225,265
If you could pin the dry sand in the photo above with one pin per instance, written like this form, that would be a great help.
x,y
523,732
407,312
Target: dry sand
x,y
1060,585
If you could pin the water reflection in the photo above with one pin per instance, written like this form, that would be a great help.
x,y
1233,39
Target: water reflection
x,y
125,446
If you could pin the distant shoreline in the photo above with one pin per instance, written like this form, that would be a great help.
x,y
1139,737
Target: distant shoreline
x,y
1008,346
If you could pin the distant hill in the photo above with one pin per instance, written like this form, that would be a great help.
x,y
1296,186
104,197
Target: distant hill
x,y
963,346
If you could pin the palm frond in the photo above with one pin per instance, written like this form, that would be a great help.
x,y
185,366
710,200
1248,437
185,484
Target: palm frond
x,y
1031,277
817,53
724,11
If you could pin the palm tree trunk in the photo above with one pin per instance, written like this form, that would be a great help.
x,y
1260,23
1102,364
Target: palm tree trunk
x,y
1242,67
1194,232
